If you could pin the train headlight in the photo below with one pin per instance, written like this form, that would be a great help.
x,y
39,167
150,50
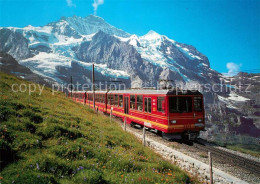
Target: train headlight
x,y
173,121
200,120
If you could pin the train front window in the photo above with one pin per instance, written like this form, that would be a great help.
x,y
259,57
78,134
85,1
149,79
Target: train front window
x,y
197,104
180,104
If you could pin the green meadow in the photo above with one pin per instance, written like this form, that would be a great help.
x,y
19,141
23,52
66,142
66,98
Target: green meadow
x,y
51,139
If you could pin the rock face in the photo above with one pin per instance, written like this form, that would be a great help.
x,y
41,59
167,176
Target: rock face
x,y
14,43
117,55
76,26
9,65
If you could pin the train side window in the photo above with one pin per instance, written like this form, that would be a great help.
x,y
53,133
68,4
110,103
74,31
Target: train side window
x,y
121,100
112,100
108,98
197,104
116,100
132,101
145,104
139,102
148,105
161,104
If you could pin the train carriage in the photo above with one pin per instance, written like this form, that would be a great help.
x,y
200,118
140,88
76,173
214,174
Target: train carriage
x,y
176,114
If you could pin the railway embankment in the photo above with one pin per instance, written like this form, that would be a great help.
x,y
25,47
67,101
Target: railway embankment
x,y
195,160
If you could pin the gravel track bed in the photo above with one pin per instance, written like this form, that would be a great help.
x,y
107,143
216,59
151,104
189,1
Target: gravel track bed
x,y
202,156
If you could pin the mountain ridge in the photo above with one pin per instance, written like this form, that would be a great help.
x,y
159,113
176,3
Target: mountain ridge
x,y
55,38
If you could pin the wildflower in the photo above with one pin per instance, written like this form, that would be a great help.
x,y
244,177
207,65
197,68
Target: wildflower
x,y
37,166
1,177
169,174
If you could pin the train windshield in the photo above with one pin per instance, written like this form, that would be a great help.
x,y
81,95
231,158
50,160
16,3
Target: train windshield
x,y
179,104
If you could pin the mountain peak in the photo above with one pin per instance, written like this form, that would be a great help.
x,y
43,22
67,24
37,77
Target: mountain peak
x,y
152,35
152,32
94,17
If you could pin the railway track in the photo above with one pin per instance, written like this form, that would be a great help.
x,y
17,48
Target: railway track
x,y
229,158
233,159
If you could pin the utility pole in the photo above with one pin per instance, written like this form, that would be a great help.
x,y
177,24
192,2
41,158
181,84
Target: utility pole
x,y
210,168
93,84
71,86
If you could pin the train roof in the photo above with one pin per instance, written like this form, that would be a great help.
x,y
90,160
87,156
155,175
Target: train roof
x,y
148,91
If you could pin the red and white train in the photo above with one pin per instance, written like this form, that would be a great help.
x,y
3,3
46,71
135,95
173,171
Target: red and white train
x,y
174,114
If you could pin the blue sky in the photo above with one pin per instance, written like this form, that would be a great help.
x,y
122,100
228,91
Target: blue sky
x,y
226,31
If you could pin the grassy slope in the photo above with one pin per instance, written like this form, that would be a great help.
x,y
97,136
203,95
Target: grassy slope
x,y
51,139
253,150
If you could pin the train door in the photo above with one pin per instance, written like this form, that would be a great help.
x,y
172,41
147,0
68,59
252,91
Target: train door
x,y
198,110
148,111
126,107
85,97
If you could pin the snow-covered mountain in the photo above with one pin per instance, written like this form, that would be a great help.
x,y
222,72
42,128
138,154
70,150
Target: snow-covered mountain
x,y
56,48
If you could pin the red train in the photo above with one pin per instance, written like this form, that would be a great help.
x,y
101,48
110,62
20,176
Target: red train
x,y
175,114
